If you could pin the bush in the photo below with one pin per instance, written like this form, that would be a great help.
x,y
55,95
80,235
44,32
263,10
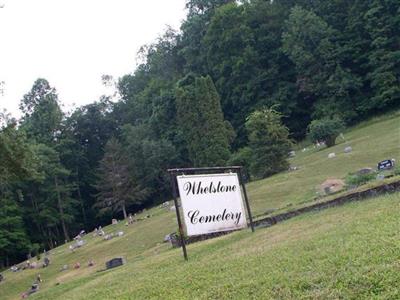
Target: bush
x,y
269,143
325,130
359,179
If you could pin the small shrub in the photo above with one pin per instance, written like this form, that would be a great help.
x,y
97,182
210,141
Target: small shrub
x,y
325,130
359,179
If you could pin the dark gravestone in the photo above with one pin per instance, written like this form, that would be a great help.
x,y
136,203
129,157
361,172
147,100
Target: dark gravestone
x,y
364,171
115,262
386,164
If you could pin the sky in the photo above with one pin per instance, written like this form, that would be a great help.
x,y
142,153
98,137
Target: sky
x,y
72,43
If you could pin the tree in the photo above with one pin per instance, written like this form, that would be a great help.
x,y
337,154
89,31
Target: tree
x,y
14,242
382,21
15,166
310,42
42,113
325,130
55,202
269,142
115,185
201,120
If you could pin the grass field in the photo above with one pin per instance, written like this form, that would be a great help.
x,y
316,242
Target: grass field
x,y
350,252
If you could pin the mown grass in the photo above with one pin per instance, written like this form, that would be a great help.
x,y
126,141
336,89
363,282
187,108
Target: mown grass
x,y
372,141
348,252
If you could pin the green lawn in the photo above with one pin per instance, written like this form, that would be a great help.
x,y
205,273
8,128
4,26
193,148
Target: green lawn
x,y
371,142
350,252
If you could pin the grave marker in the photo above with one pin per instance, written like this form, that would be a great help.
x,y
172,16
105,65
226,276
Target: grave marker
x,y
386,164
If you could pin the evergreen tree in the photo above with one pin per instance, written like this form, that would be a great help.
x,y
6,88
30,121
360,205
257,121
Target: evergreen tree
x,y
201,120
269,143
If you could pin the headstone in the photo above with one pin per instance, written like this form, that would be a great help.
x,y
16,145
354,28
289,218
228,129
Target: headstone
x,y
348,149
292,154
64,268
380,176
46,262
130,219
79,243
14,268
108,237
331,186
120,233
364,171
331,155
168,237
114,221
115,262
327,190
34,289
386,164
172,208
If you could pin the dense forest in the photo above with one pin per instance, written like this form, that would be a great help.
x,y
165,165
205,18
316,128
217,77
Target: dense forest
x,y
238,79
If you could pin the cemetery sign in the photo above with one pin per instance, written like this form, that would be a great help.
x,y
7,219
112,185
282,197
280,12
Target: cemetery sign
x,y
211,200
211,203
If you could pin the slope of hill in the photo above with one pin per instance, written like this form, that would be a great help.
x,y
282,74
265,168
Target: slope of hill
x,y
345,252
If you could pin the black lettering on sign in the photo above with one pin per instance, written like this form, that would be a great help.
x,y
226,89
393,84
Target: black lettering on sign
x,y
196,218
197,188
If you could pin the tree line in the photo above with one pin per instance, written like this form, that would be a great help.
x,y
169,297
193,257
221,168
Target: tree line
x,y
237,84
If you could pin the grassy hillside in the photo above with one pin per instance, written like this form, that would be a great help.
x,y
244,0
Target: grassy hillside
x,y
371,142
349,252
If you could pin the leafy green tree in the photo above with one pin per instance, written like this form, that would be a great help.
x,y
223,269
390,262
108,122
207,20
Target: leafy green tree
x,y
15,165
148,162
55,189
269,142
382,21
326,130
116,187
14,242
42,113
309,42
200,117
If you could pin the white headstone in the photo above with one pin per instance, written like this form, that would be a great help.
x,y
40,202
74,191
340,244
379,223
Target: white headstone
x,y
348,149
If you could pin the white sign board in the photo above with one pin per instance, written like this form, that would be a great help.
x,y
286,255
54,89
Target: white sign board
x,y
211,203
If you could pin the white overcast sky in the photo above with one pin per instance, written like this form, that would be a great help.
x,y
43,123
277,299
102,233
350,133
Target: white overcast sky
x,y
72,43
